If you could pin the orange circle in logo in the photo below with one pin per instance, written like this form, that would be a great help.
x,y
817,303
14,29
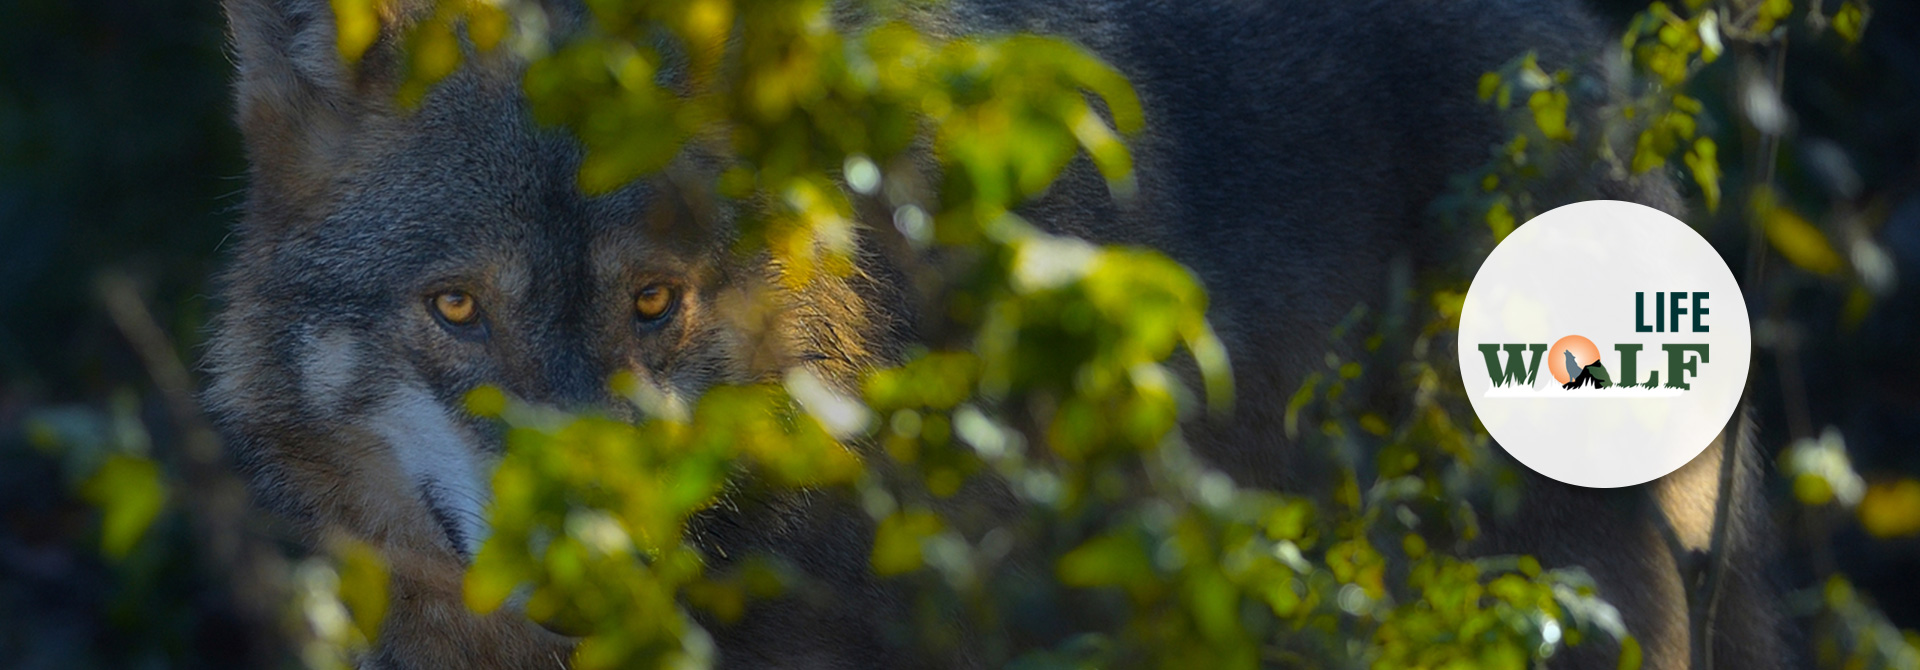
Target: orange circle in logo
x,y
1584,354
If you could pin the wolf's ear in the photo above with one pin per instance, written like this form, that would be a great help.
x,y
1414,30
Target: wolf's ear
x,y
300,106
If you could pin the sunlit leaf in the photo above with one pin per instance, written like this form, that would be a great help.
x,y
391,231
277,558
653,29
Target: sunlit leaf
x,y
489,580
1799,241
356,26
1771,12
1891,509
1500,220
1850,21
363,587
1550,113
130,494
1288,521
486,400
1116,559
898,540
1630,654
487,24
1704,162
1821,470
433,52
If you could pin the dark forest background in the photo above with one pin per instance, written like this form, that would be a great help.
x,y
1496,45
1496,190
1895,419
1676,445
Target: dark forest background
x,y
118,158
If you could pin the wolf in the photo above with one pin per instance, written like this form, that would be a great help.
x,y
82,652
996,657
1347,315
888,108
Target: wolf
x,y
389,261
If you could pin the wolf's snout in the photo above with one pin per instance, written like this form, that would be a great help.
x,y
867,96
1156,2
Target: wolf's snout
x,y
570,378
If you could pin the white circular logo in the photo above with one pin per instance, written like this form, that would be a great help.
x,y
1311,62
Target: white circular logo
x,y
1604,344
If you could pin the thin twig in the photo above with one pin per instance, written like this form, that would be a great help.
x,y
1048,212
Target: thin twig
x,y
1707,604
214,499
1735,435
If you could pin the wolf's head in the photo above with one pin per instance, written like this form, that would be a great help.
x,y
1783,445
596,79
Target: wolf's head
x,y
391,261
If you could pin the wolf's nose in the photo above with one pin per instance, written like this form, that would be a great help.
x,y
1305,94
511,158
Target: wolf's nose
x,y
572,379
596,399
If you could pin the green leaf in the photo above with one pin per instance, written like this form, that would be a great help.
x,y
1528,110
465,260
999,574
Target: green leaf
x,y
1800,242
486,400
1500,220
356,26
1891,509
1646,152
1288,521
487,25
1115,559
1771,13
898,543
130,494
433,52
1550,113
1704,162
363,587
1850,21
491,579
1630,657
1214,603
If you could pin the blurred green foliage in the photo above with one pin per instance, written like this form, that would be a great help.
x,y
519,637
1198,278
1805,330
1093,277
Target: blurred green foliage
x,y
590,515
1213,575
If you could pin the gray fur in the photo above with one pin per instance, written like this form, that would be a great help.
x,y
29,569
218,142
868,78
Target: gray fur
x,y
1292,151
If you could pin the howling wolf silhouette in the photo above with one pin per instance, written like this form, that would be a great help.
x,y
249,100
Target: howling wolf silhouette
x,y
1593,375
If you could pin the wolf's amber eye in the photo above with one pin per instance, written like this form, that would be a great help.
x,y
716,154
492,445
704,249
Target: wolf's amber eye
x,y
456,307
655,301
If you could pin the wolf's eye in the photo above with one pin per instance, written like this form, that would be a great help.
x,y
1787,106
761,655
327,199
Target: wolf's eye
x,y
456,308
655,301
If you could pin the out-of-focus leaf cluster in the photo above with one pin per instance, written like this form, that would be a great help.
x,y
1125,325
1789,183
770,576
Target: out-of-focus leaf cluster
x,y
1851,633
590,514
1848,630
337,598
1080,365
801,106
1681,55
105,455
1654,123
